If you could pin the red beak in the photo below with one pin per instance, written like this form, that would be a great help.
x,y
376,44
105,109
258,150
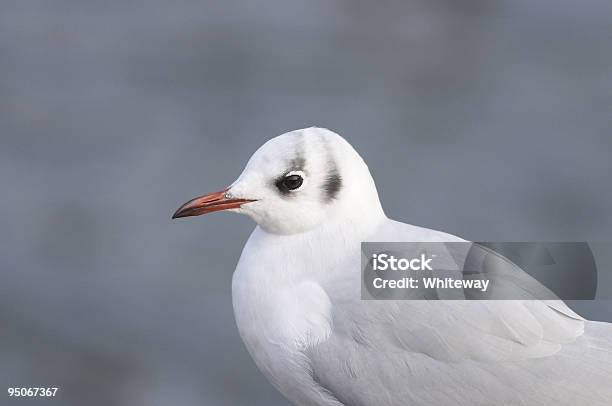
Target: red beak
x,y
208,203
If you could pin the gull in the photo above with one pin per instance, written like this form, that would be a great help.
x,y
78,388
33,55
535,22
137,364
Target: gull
x,y
297,304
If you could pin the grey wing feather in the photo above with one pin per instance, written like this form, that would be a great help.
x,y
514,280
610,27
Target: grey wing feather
x,y
421,352
373,358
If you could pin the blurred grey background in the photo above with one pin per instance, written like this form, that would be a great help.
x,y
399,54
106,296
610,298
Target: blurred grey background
x,y
490,119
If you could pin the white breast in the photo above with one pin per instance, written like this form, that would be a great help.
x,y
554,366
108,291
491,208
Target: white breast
x,y
279,306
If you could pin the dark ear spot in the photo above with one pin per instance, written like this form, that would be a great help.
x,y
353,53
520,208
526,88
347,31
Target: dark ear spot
x,y
332,185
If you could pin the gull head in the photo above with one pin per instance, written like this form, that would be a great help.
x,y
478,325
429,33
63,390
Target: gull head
x,y
296,182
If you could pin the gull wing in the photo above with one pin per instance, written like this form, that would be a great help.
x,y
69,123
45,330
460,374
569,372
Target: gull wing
x,y
418,352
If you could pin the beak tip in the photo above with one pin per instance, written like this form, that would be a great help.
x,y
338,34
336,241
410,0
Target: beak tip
x,y
177,214
180,212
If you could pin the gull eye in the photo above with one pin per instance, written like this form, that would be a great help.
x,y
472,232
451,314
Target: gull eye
x,y
289,182
292,182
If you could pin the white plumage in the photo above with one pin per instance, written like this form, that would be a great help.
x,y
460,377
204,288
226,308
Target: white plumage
x,y
296,297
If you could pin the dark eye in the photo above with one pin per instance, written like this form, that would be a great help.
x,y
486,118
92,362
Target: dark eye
x,y
291,182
